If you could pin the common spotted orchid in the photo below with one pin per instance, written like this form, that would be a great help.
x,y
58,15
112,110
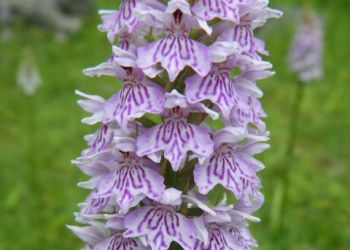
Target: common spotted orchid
x,y
306,52
154,158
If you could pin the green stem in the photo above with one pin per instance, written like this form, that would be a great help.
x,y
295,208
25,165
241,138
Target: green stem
x,y
280,197
163,167
293,125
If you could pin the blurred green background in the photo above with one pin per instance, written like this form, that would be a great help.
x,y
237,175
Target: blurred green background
x,y
39,135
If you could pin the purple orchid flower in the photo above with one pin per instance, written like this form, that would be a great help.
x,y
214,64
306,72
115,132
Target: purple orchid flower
x,y
124,19
176,50
138,96
175,136
253,14
227,229
133,179
232,165
155,155
99,236
235,97
161,225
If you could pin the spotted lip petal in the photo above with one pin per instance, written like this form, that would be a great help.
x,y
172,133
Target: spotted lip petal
x,y
226,236
161,225
176,50
219,238
175,53
228,229
242,35
234,168
236,99
124,22
223,9
175,136
243,237
133,179
98,237
247,111
114,21
137,98
100,140
253,14
227,169
94,204
216,86
118,242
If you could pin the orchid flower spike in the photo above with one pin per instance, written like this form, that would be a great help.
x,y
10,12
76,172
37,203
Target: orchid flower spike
x,y
306,52
154,157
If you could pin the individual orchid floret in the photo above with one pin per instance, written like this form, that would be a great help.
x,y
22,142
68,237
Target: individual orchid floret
x,y
96,168
305,56
98,236
219,237
123,20
176,50
101,109
176,136
94,205
114,21
250,73
217,86
253,14
133,179
247,111
229,93
138,96
101,141
125,176
231,165
227,229
257,12
160,225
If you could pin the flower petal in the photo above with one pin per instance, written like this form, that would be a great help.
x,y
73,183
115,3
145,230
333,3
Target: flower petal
x,y
219,238
234,169
216,87
175,53
118,242
133,180
114,21
175,139
136,99
223,9
161,225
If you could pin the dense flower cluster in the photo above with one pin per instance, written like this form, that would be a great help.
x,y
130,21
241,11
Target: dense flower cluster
x,y
150,177
305,55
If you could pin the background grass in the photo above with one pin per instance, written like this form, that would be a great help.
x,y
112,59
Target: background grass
x,y
39,136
